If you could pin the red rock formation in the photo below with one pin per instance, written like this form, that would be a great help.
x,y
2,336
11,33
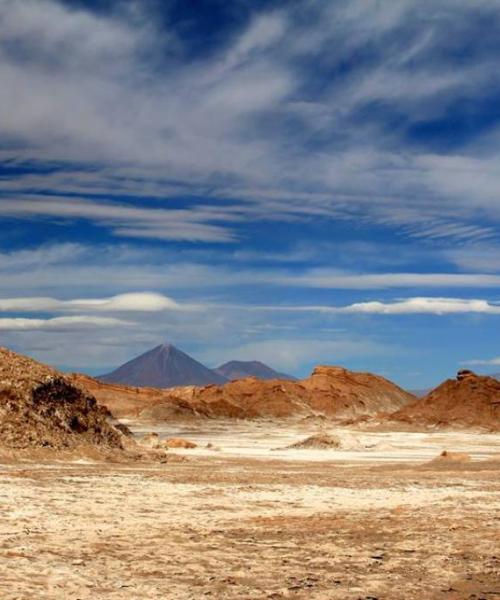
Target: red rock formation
x,y
470,400
333,391
122,400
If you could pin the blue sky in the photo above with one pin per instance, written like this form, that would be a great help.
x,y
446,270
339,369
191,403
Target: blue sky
x,y
295,182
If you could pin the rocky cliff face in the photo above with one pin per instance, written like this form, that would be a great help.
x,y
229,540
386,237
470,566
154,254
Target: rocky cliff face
x,y
470,400
40,407
331,391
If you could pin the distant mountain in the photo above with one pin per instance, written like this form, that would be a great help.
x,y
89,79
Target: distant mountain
x,y
239,369
163,367
421,392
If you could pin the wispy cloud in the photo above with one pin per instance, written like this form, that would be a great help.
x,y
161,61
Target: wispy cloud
x,y
321,278
493,362
61,324
108,269
476,257
241,123
126,220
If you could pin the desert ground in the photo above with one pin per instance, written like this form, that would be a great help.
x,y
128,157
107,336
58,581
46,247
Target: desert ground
x,y
247,518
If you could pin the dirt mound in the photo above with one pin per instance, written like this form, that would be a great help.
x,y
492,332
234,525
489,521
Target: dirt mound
x,y
330,391
470,400
446,456
39,407
325,441
320,441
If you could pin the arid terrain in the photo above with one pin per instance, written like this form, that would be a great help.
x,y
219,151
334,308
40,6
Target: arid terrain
x,y
241,520
288,502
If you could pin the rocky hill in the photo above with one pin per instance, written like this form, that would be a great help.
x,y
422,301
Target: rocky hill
x,y
331,391
336,390
129,401
470,400
40,407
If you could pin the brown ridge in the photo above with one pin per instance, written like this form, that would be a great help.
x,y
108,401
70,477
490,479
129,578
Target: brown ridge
x,y
333,391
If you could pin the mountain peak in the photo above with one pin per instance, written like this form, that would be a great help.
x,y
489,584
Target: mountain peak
x,y
163,366
166,348
239,369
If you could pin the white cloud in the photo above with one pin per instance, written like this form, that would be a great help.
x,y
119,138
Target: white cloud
x,y
434,306
140,301
63,324
423,305
494,362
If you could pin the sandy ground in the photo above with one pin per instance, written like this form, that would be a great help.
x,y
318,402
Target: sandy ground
x,y
251,522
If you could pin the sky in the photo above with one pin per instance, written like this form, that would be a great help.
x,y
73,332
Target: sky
x,y
297,182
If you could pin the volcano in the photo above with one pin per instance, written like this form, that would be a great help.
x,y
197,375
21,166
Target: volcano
x,y
163,367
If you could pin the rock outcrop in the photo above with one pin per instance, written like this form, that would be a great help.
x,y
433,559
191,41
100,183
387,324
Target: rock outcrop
x,y
470,400
464,374
335,390
40,407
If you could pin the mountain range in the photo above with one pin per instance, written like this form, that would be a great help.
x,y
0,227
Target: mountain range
x,y
166,366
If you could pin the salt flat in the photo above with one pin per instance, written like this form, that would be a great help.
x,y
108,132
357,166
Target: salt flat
x,y
248,521
268,440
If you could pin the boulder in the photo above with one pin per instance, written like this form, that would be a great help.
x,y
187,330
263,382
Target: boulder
x,y
464,374
446,456
178,443
150,440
